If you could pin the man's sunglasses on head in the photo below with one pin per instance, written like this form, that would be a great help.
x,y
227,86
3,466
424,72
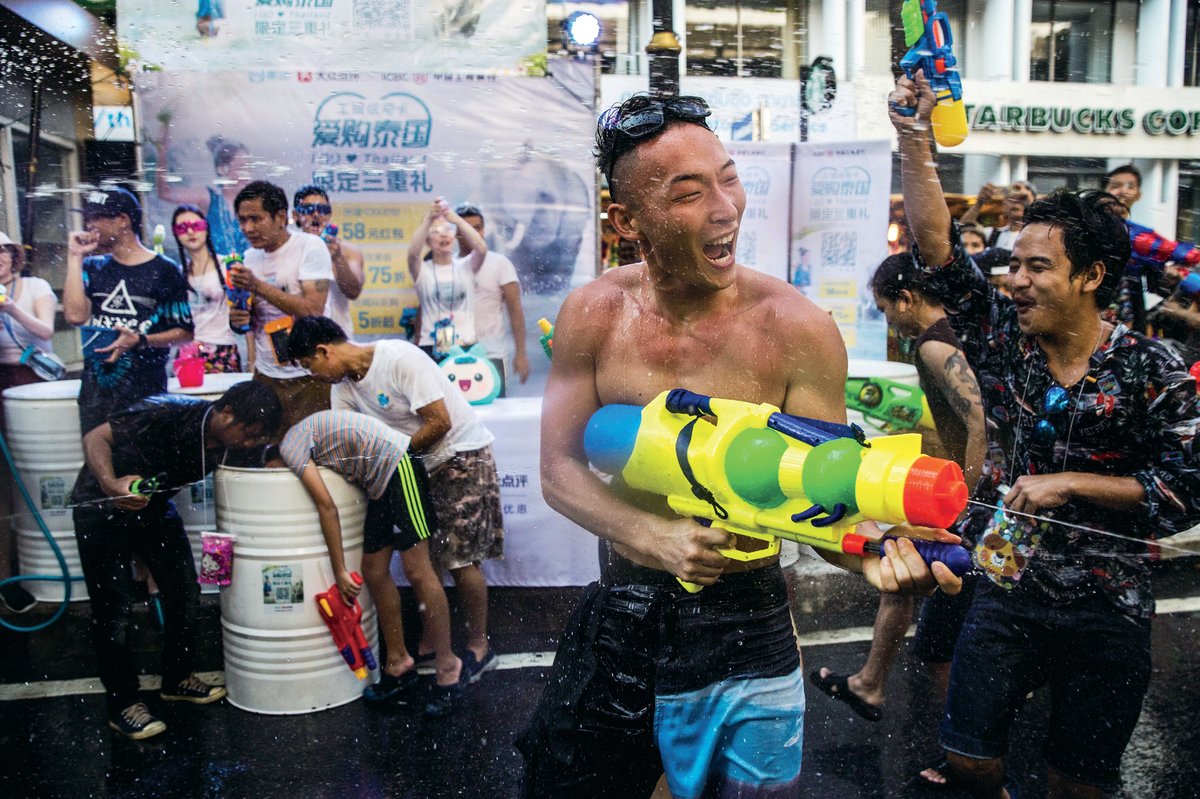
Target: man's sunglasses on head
x,y
650,118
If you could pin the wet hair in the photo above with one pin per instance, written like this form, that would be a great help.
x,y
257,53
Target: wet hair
x,y
304,191
1123,169
224,150
188,208
991,258
18,258
612,143
974,230
310,331
274,200
898,273
253,405
1091,231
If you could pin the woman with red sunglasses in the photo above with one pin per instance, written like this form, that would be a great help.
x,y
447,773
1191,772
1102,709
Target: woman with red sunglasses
x,y
217,343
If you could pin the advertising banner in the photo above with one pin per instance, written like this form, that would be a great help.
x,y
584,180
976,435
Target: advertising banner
x,y
839,235
401,35
383,148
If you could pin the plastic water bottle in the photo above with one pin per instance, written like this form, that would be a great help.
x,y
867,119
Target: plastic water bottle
x,y
43,364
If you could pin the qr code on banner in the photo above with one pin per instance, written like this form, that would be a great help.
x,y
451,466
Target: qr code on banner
x,y
839,248
391,16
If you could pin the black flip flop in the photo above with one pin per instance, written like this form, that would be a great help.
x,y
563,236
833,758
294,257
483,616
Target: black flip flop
x,y
836,686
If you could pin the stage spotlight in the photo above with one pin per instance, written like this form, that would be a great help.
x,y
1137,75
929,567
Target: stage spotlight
x,y
581,30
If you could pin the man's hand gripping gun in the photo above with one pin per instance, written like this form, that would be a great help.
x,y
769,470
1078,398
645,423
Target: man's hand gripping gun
x,y
239,299
345,624
927,37
888,405
754,471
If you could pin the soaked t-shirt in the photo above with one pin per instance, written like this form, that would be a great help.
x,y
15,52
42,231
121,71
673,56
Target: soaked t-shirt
x,y
146,298
163,435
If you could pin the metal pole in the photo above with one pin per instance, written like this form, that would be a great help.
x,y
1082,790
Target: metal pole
x,y
35,133
663,51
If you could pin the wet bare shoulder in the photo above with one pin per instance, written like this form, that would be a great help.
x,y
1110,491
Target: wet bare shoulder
x,y
589,311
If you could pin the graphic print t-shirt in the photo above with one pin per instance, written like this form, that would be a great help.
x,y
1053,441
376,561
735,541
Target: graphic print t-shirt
x,y
147,298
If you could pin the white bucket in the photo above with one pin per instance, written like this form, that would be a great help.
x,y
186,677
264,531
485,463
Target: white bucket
x,y
43,435
195,502
280,658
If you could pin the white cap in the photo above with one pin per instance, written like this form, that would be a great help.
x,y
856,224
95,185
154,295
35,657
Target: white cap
x,y
4,239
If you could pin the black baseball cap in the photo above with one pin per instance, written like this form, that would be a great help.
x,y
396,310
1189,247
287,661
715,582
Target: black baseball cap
x,y
112,201
467,209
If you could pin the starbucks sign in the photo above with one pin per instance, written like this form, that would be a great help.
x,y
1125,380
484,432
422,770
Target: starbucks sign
x,y
1083,120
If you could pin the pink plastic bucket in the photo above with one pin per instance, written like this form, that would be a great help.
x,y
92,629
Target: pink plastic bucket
x,y
190,372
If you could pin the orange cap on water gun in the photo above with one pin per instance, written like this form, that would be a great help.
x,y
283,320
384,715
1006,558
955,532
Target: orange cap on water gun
x,y
935,492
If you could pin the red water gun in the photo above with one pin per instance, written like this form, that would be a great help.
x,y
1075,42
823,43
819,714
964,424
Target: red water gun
x,y
345,624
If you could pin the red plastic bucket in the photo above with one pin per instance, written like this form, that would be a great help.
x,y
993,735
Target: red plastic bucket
x,y
190,372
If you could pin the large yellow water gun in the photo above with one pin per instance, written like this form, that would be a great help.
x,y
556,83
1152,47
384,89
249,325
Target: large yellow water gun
x,y
768,475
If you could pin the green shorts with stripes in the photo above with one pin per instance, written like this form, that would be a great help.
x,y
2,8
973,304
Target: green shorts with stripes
x,y
403,517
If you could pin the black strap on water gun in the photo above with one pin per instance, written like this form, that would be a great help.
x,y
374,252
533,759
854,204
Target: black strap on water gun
x,y
687,402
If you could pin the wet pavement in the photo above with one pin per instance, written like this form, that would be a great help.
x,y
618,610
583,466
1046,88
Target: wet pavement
x,y
60,746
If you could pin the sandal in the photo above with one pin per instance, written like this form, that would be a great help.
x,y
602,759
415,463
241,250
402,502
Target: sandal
x,y
836,686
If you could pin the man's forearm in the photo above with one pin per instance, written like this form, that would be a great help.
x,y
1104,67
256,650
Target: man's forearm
x,y
427,436
571,489
166,338
291,304
97,451
331,531
924,203
1118,493
349,279
516,316
76,307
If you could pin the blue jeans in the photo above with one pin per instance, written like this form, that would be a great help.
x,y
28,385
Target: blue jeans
x,y
1095,660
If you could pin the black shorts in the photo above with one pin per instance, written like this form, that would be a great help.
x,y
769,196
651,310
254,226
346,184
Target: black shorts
x,y
635,637
941,620
403,517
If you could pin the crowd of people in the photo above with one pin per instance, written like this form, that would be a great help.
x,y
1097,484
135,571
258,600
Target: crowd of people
x,y
382,415
1053,353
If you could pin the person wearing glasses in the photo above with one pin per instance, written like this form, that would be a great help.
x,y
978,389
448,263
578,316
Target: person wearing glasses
x,y
129,291
206,284
650,679
313,214
1091,431
445,285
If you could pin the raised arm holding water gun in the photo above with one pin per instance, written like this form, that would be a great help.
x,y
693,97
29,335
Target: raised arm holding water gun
x,y
1093,427
688,316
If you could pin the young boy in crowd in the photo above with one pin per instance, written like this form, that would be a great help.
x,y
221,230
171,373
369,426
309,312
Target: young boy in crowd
x,y
375,457
396,383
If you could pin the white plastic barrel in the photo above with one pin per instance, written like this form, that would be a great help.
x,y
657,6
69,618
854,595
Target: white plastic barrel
x,y
279,656
195,503
42,422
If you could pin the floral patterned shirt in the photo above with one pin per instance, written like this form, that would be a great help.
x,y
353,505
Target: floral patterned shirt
x,y
1135,413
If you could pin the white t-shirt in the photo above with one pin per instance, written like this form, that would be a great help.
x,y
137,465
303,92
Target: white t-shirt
x,y
337,308
210,310
493,328
447,293
401,380
14,338
303,257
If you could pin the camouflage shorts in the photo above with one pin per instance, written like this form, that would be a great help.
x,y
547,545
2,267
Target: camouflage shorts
x,y
466,494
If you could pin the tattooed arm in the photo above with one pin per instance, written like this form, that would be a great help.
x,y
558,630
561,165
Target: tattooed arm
x,y
954,380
